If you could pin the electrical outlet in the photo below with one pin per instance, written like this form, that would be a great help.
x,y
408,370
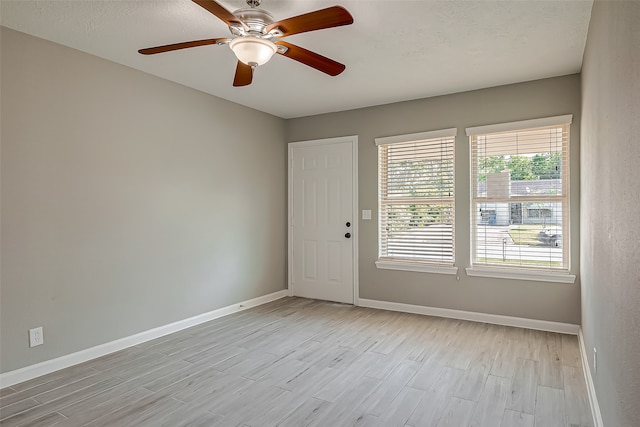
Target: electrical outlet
x,y
36,337
595,361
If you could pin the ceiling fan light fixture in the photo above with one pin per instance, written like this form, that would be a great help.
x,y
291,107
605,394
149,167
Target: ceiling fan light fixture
x,y
253,50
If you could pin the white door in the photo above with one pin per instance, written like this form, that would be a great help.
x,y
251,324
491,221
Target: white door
x,y
322,218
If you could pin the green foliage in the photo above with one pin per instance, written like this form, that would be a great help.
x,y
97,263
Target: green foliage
x,y
526,235
539,166
419,178
547,166
491,164
402,217
520,167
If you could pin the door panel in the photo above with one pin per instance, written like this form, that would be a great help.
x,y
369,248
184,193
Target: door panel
x,y
321,205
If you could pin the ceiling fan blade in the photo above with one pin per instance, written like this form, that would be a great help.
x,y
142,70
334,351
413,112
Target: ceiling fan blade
x,y
178,46
334,16
312,59
244,74
218,10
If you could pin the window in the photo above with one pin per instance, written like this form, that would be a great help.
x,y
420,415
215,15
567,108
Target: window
x,y
520,195
416,201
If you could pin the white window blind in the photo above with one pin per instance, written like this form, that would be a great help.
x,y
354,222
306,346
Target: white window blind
x,y
416,197
520,194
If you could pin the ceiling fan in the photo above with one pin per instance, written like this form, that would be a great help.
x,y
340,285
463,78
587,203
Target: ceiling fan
x,y
256,37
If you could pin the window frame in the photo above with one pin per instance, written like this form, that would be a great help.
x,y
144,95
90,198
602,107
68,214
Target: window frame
x,y
547,274
421,265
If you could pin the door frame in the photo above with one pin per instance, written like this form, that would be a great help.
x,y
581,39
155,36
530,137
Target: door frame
x,y
353,139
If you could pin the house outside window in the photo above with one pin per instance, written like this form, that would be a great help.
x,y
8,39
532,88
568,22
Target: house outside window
x,y
416,201
520,195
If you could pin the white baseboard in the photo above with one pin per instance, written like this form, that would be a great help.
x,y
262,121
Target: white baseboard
x,y
496,319
29,372
591,390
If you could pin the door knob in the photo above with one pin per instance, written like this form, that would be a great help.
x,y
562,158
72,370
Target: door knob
x,y
348,224
347,235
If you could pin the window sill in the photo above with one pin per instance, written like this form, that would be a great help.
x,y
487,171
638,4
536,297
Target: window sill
x,y
416,266
539,276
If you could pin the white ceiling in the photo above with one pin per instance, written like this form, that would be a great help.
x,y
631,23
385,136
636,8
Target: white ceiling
x,y
394,51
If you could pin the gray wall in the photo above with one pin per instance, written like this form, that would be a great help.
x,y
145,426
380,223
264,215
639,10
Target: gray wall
x,y
610,208
128,202
535,300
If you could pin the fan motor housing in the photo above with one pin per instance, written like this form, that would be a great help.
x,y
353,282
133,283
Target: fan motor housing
x,y
255,19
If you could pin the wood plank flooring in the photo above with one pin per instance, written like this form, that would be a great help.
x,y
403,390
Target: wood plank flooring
x,y
300,362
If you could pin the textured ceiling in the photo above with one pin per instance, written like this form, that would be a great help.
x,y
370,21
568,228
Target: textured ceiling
x,y
394,51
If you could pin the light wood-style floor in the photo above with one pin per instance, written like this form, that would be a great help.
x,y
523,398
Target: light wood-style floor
x,y
299,362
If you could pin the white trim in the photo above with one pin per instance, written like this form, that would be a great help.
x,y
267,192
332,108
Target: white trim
x,y
421,267
537,276
353,139
496,319
520,125
324,141
420,136
591,390
29,372
356,224
289,216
